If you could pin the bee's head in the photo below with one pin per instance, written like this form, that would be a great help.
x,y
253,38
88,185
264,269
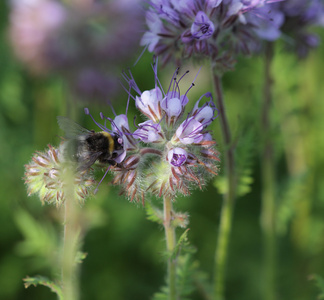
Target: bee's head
x,y
119,143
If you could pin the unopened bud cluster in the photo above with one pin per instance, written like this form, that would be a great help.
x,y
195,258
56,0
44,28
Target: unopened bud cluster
x,y
45,176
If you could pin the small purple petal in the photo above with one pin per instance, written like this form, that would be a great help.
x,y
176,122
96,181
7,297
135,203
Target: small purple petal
x,y
177,157
148,103
120,121
202,28
213,3
189,131
172,107
148,132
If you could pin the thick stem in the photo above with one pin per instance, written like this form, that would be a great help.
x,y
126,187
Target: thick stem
x,y
170,238
71,241
268,186
229,197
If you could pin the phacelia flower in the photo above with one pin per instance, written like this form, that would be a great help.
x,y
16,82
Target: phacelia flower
x,y
170,152
72,39
45,176
211,28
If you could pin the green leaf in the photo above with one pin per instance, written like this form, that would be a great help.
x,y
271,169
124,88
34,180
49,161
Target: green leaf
x,y
221,184
41,280
189,277
40,239
293,190
163,295
245,182
182,244
245,159
153,213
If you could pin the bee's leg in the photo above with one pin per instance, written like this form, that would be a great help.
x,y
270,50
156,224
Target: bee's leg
x,y
114,163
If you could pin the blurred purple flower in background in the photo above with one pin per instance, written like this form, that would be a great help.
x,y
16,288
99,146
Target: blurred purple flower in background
x,y
300,17
220,29
294,20
212,28
32,24
84,42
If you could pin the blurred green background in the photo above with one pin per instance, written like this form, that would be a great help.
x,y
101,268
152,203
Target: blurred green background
x,y
124,248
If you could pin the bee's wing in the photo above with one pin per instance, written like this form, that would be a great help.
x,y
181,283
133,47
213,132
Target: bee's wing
x,y
71,128
86,162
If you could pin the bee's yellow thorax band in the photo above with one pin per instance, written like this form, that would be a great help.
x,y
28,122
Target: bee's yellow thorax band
x,y
110,139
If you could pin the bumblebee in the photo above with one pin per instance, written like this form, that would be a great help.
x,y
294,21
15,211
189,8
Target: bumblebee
x,y
85,147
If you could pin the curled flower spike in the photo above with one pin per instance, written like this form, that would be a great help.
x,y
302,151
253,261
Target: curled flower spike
x,y
44,176
167,154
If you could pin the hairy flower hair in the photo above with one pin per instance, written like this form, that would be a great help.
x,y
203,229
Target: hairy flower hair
x,y
44,176
170,152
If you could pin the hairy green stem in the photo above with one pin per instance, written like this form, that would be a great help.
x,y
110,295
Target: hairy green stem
x,y
268,186
229,197
170,238
71,242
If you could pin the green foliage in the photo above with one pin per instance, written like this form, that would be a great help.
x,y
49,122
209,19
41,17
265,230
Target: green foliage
x,y
80,257
290,193
153,213
221,184
162,295
319,281
189,277
40,240
187,273
245,151
190,280
245,181
182,245
41,280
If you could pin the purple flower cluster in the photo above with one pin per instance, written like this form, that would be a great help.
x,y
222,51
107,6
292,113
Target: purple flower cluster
x,y
169,152
214,28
